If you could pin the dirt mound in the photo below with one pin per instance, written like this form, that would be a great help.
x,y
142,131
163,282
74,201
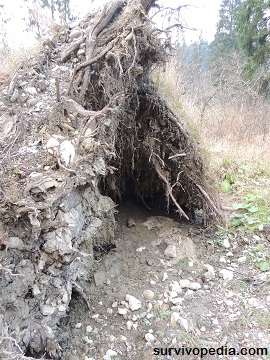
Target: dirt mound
x,y
82,127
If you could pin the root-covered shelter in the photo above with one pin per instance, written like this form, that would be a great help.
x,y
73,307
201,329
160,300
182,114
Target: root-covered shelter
x,y
83,126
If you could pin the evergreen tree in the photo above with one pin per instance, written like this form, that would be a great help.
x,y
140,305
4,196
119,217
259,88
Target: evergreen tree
x,y
225,38
253,34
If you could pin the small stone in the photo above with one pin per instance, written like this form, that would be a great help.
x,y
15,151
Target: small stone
x,y
67,152
194,286
226,243
256,237
130,223
242,259
253,302
100,278
129,324
31,102
140,249
184,324
78,325
229,302
173,294
75,34
148,294
110,311
48,310
35,290
184,283
109,355
177,301
207,276
170,252
87,340
122,311
222,259
203,329
149,337
189,294
114,304
174,319
165,276
89,328
229,254
176,287
133,303
215,322
226,274
81,52
209,268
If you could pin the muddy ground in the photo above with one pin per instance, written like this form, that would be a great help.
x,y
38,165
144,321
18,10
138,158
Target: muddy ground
x,y
192,301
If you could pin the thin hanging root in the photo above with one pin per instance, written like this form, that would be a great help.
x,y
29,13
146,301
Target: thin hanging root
x,y
169,189
210,201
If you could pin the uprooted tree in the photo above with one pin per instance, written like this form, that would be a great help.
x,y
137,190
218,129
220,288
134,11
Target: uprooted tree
x,y
83,127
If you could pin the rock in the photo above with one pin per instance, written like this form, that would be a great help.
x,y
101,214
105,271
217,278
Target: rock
x,y
189,294
184,283
207,276
174,319
242,259
67,152
176,287
149,337
253,302
109,355
6,125
148,294
48,310
133,303
194,286
170,252
89,328
222,259
31,102
173,294
130,223
100,278
81,52
31,90
78,325
35,290
52,145
165,276
226,243
184,324
14,97
226,274
177,301
122,311
75,33
15,242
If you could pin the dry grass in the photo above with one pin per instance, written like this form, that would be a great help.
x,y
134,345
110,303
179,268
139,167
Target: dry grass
x,y
231,132
11,60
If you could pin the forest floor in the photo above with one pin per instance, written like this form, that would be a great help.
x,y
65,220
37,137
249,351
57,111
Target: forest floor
x,y
168,284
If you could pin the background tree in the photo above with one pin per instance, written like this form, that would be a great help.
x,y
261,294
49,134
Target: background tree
x,y
253,32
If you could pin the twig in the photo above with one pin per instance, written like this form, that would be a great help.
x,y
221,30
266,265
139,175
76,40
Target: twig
x,y
208,198
177,155
169,189
57,89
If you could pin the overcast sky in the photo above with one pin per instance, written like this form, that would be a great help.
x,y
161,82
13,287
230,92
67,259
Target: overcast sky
x,y
202,15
